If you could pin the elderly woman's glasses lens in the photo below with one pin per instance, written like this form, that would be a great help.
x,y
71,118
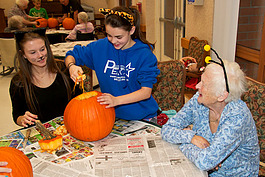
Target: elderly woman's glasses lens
x,y
208,60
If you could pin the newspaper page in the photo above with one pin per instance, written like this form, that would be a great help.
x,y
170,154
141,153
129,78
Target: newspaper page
x,y
142,156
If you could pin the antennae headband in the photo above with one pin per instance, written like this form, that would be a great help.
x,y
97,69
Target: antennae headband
x,y
208,59
124,15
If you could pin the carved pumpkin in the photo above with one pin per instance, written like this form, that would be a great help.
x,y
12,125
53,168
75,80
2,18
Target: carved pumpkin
x,y
17,161
42,23
68,23
52,22
88,120
52,145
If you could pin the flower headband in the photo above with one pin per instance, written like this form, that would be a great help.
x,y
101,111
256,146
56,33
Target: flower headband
x,y
19,35
208,60
124,15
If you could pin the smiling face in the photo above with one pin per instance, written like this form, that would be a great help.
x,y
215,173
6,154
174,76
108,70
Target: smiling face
x,y
36,53
120,38
206,89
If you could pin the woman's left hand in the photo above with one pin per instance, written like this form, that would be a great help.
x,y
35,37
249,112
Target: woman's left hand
x,y
107,99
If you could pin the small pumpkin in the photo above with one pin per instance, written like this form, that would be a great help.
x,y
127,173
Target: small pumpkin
x,y
88,120
17,161
68,23
42,23
52,22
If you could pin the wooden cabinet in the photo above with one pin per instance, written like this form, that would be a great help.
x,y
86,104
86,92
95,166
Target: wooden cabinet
x,y
2,20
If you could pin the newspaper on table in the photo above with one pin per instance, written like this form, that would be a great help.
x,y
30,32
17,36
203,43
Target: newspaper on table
x,y
127,151
141,156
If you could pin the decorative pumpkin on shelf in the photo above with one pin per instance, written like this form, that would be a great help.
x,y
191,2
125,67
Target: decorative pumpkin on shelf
x,y
88,120
42,23
17,161
68,23
52,22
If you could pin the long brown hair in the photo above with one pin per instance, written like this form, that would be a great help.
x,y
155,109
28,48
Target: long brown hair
x,y
118,22
24,74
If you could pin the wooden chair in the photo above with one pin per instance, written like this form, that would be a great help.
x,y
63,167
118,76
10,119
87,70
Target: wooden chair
x,y
255,100
194,48
88,82
169,89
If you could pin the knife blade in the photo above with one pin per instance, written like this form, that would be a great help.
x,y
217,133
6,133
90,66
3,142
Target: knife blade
x,y
26,138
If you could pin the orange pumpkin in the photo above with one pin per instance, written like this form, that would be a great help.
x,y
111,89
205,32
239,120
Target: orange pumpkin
x,y
52,22
68,23
51,145
42,23
17,161
88,120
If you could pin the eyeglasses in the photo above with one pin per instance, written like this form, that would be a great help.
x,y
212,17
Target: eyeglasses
x,y
208,60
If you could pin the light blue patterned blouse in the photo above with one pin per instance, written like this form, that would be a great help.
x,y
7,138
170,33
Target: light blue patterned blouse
x,y
234,144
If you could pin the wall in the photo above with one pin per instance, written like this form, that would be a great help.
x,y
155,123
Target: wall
x,y
225,28
199,20
251,16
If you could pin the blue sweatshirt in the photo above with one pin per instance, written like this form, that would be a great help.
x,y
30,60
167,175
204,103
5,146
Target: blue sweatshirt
x,y
121,72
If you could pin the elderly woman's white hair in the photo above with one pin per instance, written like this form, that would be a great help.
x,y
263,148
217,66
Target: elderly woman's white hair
x,y
15,22
21,2
236,80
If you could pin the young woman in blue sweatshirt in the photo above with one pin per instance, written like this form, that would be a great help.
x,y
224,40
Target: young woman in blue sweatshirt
x,y
124,63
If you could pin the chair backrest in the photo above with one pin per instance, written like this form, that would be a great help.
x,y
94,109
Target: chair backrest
x,y
84,36
88,82
195,49
7,51
254,97
169,89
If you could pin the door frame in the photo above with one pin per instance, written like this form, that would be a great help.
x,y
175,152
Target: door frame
x,y
178,34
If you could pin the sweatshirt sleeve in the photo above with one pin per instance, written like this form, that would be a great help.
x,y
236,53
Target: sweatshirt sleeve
x,y
148,71
82,55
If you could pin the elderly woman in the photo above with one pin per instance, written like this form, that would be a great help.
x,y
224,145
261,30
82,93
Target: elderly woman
x,y
223,139
15,23
19,9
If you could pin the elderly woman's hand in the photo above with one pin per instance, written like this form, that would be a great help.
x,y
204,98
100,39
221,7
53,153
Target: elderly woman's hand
x,y
200,142
3,169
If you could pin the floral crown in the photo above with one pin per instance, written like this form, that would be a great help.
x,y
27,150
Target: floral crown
x,y
124,15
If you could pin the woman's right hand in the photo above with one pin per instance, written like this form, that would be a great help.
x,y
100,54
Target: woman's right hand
x,y
28,119
75,71
200,142
3,169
